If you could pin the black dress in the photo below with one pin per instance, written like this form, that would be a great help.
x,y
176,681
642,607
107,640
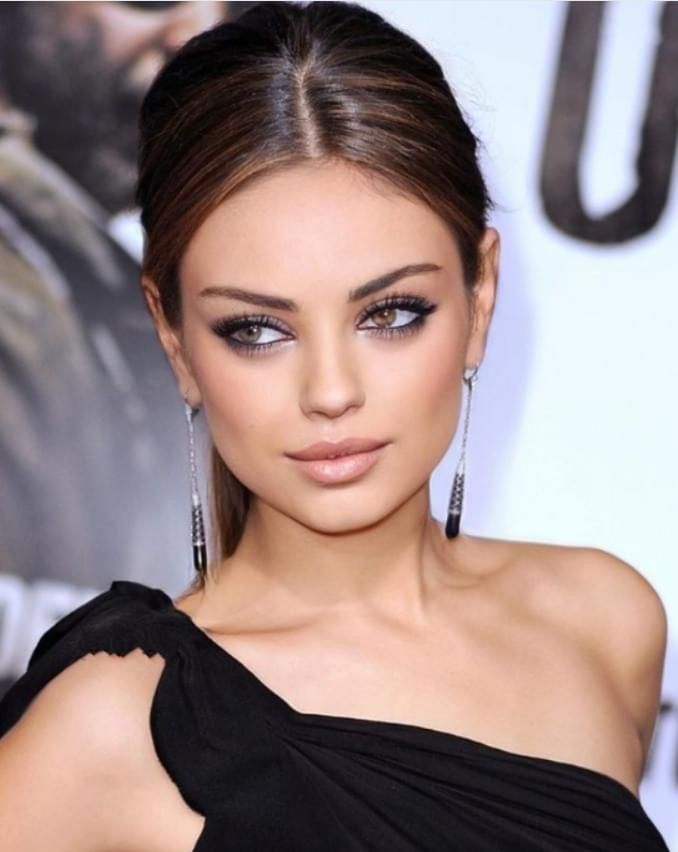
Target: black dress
x,y
268,777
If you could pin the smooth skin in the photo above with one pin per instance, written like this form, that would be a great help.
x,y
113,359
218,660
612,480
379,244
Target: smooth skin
x,y
346,599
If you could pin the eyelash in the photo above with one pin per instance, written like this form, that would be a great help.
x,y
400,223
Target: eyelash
x,y
226,327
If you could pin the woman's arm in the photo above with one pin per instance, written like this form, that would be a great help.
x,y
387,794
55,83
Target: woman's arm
x,y
70,768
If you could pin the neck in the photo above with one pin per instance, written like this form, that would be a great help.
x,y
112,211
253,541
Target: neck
x,y
390,565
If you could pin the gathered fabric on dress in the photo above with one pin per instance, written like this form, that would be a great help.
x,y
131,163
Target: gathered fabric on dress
x,y
268,777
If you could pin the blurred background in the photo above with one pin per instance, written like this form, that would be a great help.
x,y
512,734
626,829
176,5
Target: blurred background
x,y
574,428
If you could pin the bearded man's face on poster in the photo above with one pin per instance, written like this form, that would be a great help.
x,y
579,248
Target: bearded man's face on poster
x,y
81,70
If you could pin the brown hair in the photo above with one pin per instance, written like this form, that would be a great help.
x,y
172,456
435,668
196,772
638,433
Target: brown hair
x,y
284,83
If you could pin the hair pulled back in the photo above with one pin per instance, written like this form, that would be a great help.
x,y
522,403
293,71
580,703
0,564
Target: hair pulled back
x,y
284,83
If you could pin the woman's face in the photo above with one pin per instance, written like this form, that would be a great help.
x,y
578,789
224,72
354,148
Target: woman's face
x,y
331,367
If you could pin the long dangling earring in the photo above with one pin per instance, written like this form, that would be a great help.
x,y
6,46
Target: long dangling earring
x,y
197,523
457,496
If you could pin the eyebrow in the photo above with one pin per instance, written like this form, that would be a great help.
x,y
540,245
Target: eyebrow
x,y
281,304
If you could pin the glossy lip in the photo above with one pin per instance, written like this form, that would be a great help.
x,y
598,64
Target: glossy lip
x,y
330,449
342,469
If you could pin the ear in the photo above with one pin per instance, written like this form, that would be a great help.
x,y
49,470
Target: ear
x,y
484,296
171,341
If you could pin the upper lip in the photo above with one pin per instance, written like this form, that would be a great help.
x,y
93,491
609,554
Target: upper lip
x,y
327,449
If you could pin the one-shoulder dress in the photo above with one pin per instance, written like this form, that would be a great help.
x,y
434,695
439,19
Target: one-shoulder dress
x,y
268,777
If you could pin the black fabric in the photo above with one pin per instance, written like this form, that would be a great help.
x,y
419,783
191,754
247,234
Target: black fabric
x,y
268,777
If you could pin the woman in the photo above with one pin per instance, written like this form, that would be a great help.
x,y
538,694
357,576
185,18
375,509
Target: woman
x,y
347,673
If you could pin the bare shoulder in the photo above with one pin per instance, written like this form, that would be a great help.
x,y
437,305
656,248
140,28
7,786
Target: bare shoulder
x,y
77,755
97,699
608,603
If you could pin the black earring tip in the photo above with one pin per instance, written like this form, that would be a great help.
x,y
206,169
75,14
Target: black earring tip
x,y
200,558
452,525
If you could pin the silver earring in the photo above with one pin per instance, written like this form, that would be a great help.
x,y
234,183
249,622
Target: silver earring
x,y
197,523
457,496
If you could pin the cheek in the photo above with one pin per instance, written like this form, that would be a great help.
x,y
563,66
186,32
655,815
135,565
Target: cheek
x,y
238,404
245,405
419,385
438,414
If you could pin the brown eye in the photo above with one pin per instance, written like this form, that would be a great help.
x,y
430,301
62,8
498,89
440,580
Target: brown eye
x,y
247,335
386,313
244,333
385,316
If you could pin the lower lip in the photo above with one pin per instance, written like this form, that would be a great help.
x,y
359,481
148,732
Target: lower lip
x,y
342,469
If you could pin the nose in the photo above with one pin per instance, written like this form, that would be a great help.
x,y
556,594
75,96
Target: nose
x,y
331,382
